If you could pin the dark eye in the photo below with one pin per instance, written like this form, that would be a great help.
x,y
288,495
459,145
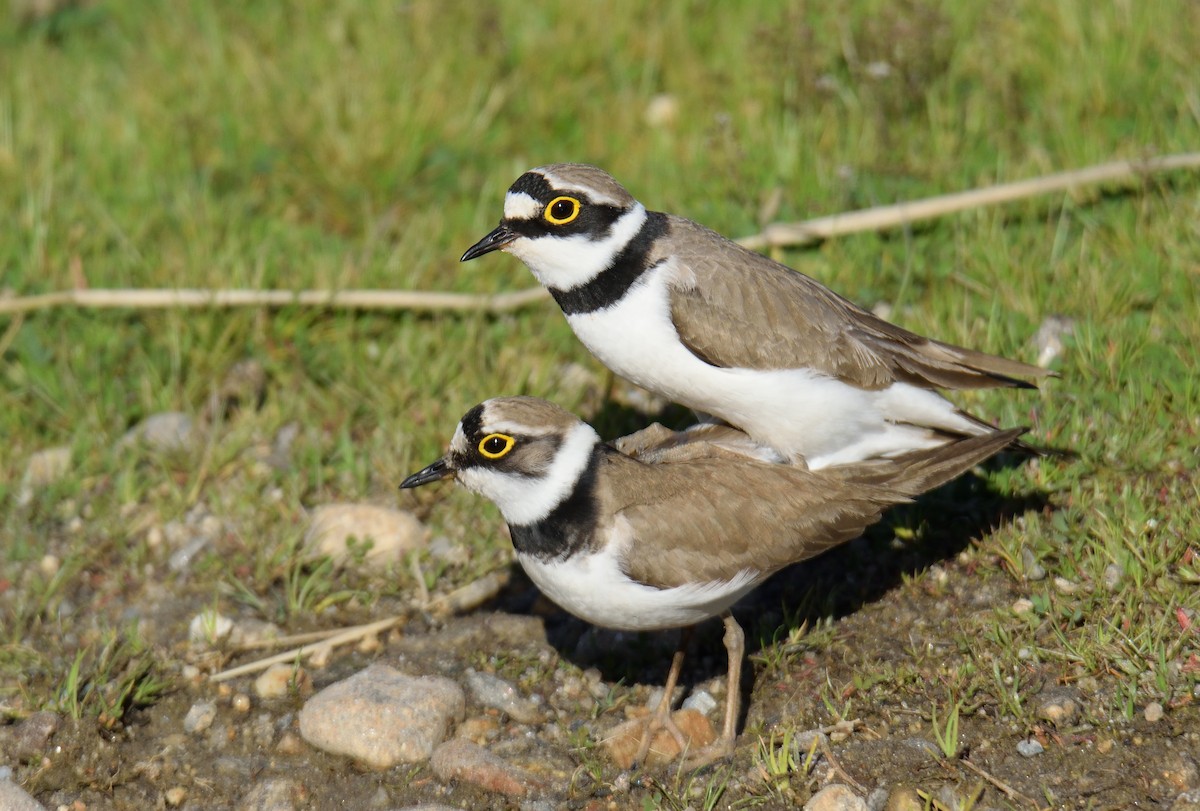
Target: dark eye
x,y
493,446
562,210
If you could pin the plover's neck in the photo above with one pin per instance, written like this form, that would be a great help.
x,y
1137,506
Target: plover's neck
x,y
625,268
568,528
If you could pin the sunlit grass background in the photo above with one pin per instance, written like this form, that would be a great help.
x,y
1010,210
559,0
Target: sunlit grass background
x,y
349,144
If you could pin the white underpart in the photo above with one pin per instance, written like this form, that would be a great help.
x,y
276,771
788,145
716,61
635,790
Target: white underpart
x,y
593,587
801,412
528,499
566,262
520,206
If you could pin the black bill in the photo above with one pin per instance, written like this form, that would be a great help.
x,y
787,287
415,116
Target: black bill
x,y
437,471
498,238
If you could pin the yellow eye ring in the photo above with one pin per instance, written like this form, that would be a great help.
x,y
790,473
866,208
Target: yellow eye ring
x,y
561,210
493,446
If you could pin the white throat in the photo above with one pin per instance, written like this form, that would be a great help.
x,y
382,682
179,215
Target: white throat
x,y
528,499
567,262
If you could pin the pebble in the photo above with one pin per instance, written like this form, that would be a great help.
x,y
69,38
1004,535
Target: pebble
x,y
904,798
289,744
1022,605
1048,338
835,797
1030,748
1029,563
208,627
381,717
1065,586
460,759
166,431
175,796
273,794
701,701
200,717
622,741
1112,576
1153,712
496,693
240,703
1180,771
662,111
27,740
1187,801
481,729
1059,707
43,469
280,679
337,530
14,798
429,807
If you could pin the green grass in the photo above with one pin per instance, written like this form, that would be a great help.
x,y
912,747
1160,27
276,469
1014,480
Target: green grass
x,y
351,144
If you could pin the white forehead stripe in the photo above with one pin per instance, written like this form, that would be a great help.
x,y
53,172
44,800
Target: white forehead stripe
x,y
520,206
595,195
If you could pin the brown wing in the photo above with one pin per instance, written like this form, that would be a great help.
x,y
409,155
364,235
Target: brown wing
x,y
710,518
746,310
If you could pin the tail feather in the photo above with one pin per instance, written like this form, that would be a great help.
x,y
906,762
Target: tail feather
x,y
920,471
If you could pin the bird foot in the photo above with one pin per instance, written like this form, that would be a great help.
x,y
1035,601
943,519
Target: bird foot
x,y
650,741
706,755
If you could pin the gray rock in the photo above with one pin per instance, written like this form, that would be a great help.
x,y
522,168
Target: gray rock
x,y
272,794
14,798
1059,706
1030,748
1029,563
43,469
1112,576
200,717
702,701
381,717
165,432
496,693
27,740
835,797
336,529
1187,801
462,760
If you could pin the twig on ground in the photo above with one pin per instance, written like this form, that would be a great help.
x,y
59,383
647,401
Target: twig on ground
x,y
776,235
1008,790
342,637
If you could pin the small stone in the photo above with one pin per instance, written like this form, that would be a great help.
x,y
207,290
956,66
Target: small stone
x,y
208,627
43,469
27,741
701,701
49,565
904,798
273,794
289,744
1112,576
1059,707
1187,801
1180,771
459,759
1104,745
164,432
14,798
1029,563
382,717
1153,712
278,681
662,111
622,741
494,692
343,532
1049,338
1030,747
1065,586
1022,606
835,797
175,796
481,729
240,703
200,717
